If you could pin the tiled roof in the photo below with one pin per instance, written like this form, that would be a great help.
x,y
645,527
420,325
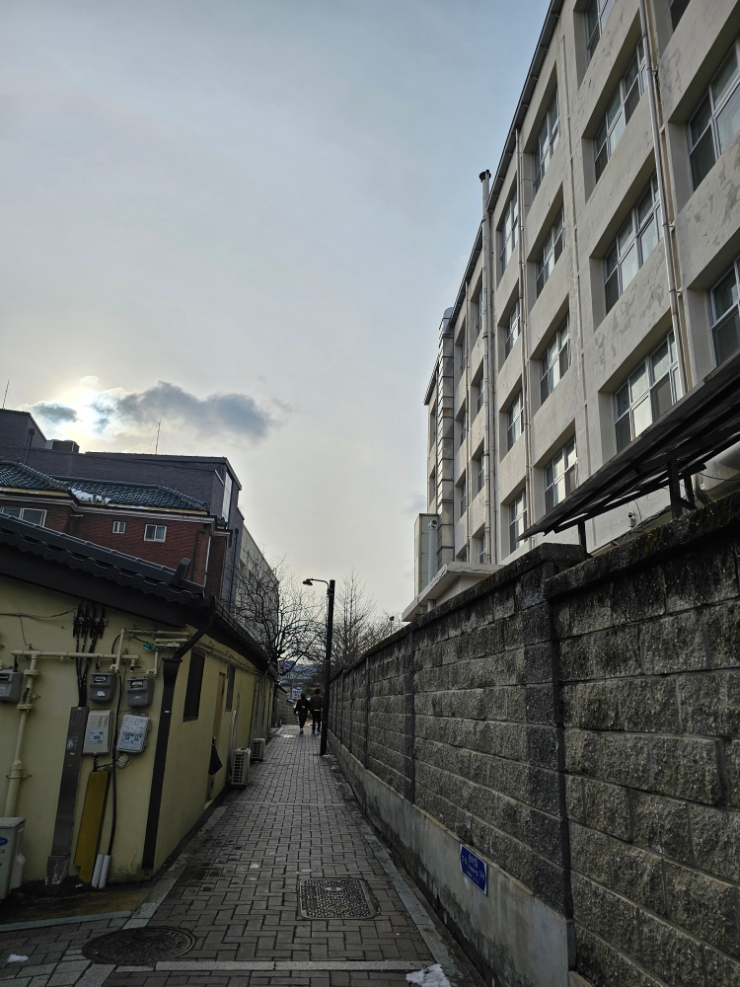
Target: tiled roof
x,y
130,494
20,477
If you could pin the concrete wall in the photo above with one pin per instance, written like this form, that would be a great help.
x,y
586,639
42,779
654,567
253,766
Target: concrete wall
x,y
45,624
577,724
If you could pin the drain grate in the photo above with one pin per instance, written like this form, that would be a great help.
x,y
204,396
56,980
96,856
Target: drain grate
x,y
335,897
139,946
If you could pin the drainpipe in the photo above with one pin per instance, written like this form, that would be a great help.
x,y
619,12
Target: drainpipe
x,y
170,668
487,382
667,243
524,319
16,772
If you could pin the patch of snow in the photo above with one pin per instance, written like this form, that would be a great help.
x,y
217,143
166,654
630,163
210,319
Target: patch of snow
x,y
17,958
432,976
83,495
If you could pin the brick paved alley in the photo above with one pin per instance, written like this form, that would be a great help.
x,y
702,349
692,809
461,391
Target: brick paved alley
x,y
236,892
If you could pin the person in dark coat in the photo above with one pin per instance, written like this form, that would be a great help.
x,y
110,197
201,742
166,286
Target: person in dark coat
x,y
302,708
317,705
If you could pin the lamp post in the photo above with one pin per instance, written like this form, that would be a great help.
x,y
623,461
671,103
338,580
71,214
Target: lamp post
x,y
327,661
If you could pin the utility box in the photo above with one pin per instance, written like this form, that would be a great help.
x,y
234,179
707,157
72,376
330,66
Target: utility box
x,y
97,732
11,833
11,686
140,691
103,687
132,736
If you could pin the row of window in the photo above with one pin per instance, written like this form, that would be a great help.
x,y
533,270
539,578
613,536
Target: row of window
x,y
32,515
561,478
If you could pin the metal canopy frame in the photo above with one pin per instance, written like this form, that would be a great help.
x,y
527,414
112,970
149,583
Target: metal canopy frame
x,y
704,423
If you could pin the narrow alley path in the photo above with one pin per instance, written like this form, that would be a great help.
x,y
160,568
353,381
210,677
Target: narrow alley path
x,y
237,894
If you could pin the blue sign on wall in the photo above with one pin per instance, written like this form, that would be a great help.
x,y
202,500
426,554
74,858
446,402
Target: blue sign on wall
x,y
474,868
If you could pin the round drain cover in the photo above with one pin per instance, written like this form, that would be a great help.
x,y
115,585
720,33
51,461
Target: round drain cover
x,y
140,947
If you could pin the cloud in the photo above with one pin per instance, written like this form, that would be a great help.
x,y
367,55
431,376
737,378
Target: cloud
x,y
53,412
238,414
90,381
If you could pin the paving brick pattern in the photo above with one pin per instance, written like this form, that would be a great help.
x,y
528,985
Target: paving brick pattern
x,y
239,893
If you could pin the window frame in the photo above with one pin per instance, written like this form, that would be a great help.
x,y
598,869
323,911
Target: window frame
x,y
593,35
648,396
462,422
22,512
517,513
155,539
559,361
625,111
463,488
508,240
718,321
514,420
568,475
118,528
711,127
480,472
462,346
552,249
513,322
638,229
547,140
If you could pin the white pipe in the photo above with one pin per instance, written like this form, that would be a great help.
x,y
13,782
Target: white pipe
x,y
524,347
60,654
97,870
105,867
16,772
487,382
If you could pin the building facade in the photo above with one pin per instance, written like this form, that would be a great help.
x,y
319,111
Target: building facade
x,y
603,284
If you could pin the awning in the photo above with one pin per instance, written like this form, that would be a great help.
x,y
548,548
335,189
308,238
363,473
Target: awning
x,y
700,426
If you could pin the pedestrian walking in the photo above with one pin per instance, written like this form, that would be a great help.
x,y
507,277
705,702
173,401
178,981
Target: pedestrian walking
x,y
317,706
302,708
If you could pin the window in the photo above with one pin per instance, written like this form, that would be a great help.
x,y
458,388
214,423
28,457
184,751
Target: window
x,y
480,472
478,304
551,251
463,423
677,9
717,120
634,243
596,15
192,690
230,677
512,329
432,487
648,394
517,520
509,232
479,549
479,396
463,488
119,527
547,141
561,475
724,314
155,532
514,420
226,508
555,361
433,427
462,353
620,110
31,515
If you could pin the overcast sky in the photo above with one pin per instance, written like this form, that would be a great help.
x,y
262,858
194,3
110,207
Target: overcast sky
x,y
245,218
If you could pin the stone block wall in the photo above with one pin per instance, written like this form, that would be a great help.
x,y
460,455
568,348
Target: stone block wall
x,y
577,724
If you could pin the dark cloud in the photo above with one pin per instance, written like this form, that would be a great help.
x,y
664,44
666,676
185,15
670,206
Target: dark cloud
x,y
52,412
235,413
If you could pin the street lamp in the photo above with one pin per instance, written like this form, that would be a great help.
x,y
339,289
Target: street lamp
x,y
327,661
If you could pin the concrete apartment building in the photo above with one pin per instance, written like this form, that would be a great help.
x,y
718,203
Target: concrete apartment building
x,y
603,284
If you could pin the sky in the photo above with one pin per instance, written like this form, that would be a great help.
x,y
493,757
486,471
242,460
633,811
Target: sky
x,y
243,219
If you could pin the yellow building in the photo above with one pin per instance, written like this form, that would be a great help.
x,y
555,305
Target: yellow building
x,y
90,638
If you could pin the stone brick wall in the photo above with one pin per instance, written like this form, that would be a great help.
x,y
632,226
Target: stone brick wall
x,y
577,723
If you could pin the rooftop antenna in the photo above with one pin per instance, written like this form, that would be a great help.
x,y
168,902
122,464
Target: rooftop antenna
x,y
6,392
156,447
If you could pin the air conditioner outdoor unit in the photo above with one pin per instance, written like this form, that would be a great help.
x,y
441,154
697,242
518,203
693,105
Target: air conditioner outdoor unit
x,y
240,767
258,749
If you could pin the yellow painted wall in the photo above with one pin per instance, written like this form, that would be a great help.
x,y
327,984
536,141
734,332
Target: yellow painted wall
x,y
186,778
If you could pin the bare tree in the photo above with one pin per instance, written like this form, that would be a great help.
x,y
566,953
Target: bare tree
x,y
281,614
357,625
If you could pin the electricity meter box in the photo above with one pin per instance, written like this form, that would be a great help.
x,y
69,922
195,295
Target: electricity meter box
x,y
11,686
11,832
97,732
140,691
132,736
103,686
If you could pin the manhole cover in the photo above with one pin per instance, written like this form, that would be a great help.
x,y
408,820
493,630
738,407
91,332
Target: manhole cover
x,y
335,897
140,946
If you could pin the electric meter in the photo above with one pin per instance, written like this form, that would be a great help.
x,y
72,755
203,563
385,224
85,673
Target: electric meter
x,y
97,732
103,686
11,686
140,691
132,736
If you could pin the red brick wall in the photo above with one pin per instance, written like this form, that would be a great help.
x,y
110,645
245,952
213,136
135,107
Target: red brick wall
x,y
57,516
